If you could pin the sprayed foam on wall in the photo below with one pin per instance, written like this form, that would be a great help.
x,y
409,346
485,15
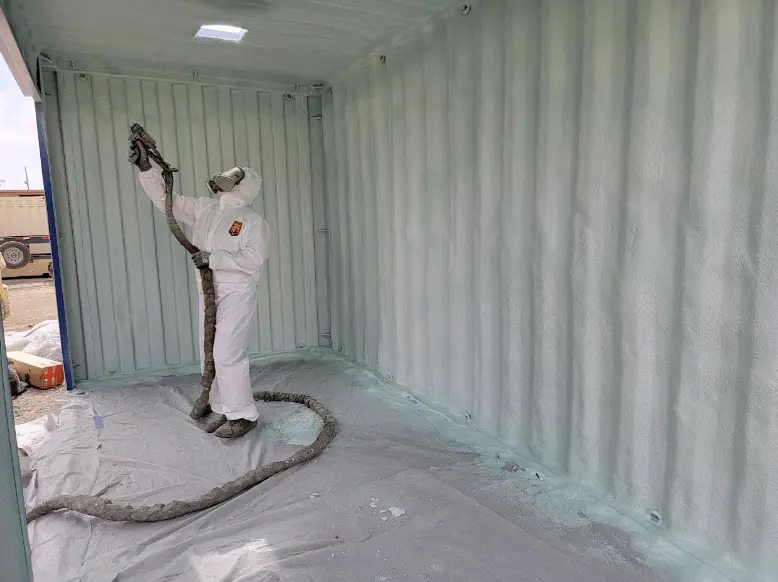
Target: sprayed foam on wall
x,y
130,292
560,219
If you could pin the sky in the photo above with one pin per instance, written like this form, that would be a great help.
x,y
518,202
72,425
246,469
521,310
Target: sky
x,y
18,136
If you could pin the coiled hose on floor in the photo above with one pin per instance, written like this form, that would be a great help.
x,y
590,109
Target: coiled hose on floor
x,y
105,509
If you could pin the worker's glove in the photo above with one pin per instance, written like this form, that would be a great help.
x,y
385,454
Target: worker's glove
x,y
139,157
200,259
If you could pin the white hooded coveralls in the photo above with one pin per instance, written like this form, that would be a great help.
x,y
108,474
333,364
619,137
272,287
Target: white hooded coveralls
x,y
238,240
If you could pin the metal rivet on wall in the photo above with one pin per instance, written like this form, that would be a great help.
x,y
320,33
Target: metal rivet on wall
x,y
382,58
655,517
465,9
288,96
83,76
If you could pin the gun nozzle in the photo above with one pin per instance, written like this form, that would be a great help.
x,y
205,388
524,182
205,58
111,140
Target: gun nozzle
x,y
139,133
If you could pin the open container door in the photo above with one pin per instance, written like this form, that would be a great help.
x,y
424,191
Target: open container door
x,y
14,546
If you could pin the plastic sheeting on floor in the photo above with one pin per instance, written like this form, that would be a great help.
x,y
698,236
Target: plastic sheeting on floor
x,y
43,341
403,493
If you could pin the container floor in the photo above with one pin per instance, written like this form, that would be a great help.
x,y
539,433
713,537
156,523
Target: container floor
x,y
403,493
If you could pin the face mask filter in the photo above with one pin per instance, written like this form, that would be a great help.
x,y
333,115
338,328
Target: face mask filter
x,y
225,181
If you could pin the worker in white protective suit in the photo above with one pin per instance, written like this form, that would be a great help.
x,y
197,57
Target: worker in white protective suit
x,y
233,241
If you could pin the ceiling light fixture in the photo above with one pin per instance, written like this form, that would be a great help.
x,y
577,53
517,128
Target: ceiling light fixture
x,y
221,32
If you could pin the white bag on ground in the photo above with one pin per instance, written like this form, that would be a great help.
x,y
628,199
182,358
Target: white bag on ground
x,y
42,340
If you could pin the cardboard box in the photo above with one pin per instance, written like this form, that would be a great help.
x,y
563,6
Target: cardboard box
x,y
35,371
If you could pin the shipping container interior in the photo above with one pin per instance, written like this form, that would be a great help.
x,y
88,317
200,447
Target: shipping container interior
x,y
524,249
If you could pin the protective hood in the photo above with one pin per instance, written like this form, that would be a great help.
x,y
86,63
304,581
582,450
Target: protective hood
x,y
244,193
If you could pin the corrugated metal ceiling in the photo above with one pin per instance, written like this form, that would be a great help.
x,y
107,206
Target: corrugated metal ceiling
x,y
288,40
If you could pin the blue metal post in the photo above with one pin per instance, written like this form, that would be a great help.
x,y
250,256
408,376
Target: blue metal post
x,y
63,326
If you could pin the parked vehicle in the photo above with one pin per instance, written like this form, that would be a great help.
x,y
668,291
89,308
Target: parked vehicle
x,y
24,240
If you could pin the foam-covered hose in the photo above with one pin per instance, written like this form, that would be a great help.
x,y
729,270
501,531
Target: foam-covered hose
x,y
103,508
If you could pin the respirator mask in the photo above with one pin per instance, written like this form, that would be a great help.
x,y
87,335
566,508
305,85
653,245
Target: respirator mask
x,y
225,181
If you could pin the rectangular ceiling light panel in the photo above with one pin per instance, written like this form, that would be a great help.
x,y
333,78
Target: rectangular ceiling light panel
x,y
221,32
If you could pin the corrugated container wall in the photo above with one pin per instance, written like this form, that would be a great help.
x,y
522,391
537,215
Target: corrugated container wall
x,y
561,219
130,293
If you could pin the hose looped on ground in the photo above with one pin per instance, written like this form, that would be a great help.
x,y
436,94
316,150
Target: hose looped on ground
x,y
104,508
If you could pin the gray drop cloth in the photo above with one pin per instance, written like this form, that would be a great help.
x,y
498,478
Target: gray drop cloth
x,y
399,495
